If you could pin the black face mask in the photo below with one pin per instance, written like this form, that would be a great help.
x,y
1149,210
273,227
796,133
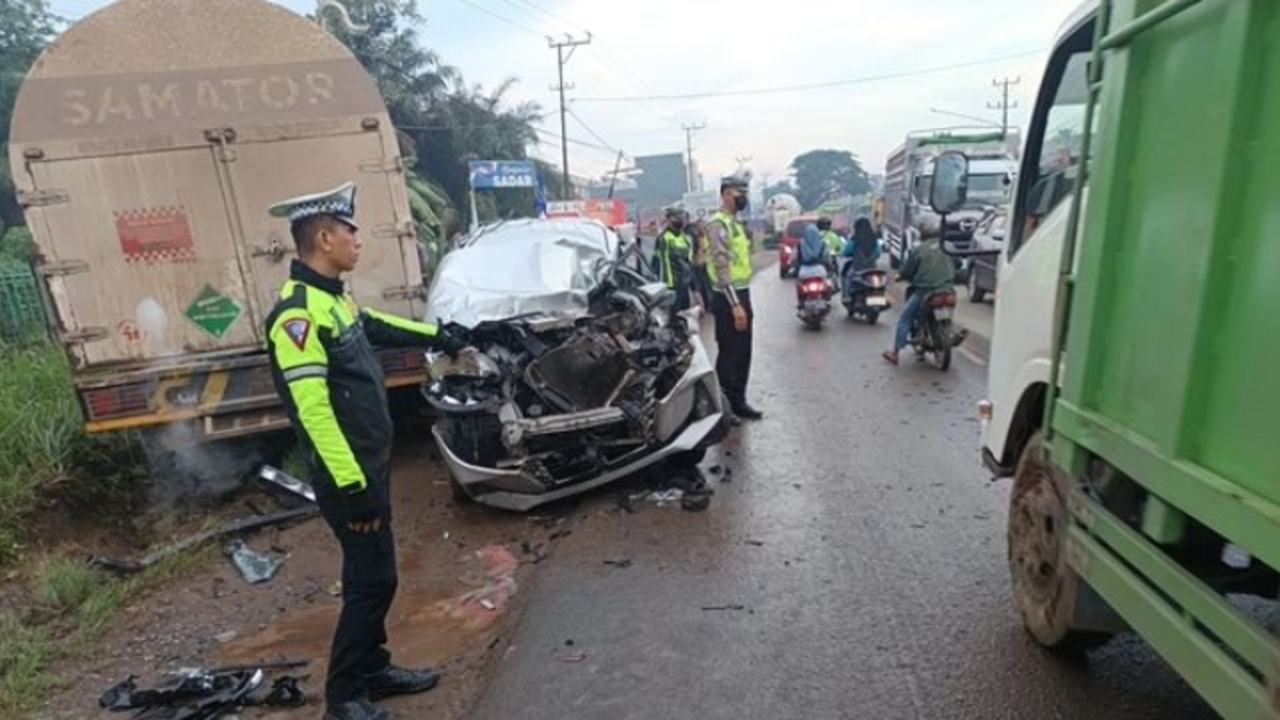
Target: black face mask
x,y
677,226
740,203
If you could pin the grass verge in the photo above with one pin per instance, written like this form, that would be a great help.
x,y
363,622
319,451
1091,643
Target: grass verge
x,y
71,606
44,450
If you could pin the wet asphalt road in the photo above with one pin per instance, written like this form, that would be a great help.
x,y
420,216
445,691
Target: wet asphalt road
x,y
865,544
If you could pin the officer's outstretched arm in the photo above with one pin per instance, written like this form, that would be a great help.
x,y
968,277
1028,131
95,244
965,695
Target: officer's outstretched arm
x,y
305,366
394,331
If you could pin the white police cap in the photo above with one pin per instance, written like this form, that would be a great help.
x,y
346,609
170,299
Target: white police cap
x,y
339,202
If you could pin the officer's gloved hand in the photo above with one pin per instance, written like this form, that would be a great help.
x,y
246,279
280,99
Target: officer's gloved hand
x,y
364,514
453,339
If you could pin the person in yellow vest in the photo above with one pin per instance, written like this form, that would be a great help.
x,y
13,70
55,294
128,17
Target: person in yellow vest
x,y
729,269
320,344
673,256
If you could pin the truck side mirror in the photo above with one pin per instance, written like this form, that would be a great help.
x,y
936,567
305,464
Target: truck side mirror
x,y
950,187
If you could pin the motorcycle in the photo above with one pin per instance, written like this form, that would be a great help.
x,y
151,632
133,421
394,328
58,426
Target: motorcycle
x,y
813,296
865,293
931,334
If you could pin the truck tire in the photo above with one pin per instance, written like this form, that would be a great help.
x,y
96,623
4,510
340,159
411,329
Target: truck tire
x,y
1045,587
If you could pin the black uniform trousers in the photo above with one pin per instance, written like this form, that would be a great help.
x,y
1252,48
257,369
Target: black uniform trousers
x,y
369,581
733,364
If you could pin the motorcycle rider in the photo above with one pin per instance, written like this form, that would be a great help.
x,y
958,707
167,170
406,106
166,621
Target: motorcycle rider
x,y
928,269
674,257
862,250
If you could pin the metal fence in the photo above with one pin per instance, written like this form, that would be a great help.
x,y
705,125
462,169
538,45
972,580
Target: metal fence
x,y
21,312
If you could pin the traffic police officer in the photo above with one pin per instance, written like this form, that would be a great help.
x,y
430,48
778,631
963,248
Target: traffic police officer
x,y
730,271
675,257
326,372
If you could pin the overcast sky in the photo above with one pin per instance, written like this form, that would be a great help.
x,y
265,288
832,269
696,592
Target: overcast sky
x,y
680,47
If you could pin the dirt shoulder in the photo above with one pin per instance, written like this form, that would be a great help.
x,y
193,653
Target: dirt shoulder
x,y
456,562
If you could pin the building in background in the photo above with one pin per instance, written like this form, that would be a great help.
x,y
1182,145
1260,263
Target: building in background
x,y
662,180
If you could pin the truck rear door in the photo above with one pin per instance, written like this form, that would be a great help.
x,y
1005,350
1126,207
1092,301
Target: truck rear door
x,y
389,276
141,255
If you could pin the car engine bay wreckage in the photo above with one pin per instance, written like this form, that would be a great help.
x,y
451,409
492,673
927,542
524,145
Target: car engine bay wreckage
x,y
597,384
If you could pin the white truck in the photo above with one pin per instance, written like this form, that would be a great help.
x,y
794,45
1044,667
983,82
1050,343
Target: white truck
x,y
147,143
908,174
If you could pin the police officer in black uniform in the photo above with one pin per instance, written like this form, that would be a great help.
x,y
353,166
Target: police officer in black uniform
x,y
327,374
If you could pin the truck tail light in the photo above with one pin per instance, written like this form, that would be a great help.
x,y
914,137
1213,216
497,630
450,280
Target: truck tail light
x,y
115,402
404,361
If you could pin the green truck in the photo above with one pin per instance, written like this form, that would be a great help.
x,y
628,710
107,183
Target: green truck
x,y
1133,373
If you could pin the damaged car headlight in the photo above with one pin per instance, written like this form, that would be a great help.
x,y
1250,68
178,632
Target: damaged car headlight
x,y
473,364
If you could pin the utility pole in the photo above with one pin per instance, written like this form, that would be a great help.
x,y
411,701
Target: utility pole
x,y
1003,105
689,130
613,178
561,60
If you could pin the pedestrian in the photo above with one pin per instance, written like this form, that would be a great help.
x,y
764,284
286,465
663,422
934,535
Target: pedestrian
x,y
331,383
729,268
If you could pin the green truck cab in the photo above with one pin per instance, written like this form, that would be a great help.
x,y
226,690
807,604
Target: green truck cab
x,y
1133,384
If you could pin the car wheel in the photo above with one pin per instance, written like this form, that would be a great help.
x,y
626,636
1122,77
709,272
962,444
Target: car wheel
x,y
976,293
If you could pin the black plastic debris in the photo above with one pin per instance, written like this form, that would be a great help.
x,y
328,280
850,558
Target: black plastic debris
x,y
205,694
620,564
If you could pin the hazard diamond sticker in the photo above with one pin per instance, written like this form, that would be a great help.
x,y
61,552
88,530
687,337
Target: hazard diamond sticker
x,y
297,331
213,312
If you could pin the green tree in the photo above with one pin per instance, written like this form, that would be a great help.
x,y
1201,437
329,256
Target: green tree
x,y
26,27
824,174
779,188
448,121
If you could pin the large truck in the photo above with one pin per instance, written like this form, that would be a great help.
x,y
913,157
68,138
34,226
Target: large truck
x,y
146,145
908,173
1133,366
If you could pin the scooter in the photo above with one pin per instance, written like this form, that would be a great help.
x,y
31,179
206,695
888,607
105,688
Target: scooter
x,y
931,334
865,293
813,296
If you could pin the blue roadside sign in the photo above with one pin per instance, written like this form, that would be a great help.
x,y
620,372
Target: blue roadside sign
x,y
490,174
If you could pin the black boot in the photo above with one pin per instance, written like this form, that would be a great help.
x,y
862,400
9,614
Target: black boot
x,y
743,410
400,681
360,709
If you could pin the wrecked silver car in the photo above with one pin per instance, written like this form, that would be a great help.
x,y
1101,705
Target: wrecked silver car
x,y
582,374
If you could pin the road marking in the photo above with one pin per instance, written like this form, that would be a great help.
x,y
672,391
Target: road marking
x,y
972,357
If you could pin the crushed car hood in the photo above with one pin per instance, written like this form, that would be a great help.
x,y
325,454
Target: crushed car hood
x,y
520,268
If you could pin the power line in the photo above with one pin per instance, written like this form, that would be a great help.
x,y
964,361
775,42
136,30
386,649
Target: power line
x,y
610,60
593,133
503,18
811,86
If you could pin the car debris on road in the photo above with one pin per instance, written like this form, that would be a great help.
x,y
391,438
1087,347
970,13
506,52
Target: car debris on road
x,y
199,694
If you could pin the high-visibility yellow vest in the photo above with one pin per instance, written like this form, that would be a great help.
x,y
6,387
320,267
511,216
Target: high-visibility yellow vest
x,y
739,252
674,244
